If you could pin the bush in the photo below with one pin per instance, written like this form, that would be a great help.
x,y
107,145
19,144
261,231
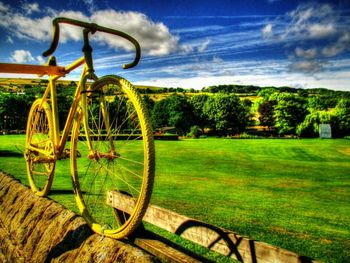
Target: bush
x,y
309,128
195,132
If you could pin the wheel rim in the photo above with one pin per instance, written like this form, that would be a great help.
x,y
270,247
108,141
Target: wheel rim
x,y
39,136
118,160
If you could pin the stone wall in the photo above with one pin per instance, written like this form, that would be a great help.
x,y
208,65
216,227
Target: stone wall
x,y
36,229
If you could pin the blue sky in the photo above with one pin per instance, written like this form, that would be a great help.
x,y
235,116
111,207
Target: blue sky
x,y
193,44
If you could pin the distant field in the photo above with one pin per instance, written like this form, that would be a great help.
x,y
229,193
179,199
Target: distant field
x,y
156,93
290,193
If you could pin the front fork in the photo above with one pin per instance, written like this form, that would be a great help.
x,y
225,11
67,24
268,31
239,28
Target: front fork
x,y
88,94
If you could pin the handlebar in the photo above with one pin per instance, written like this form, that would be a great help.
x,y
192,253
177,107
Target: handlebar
x,y
92,27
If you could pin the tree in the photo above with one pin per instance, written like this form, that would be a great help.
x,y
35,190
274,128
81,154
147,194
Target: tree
x,y
290,111
148,102
159,114
198,103
64,101
173,111
342,113
316,103
226,114
195,132
310,126
267,92
14,110
266,112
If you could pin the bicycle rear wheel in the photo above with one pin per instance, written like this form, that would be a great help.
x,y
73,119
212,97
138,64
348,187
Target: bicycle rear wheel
x,y
113,137
39,148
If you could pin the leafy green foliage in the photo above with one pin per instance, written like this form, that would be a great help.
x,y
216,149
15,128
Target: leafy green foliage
x,y
267,92
14,110
226,114
342,112
316,103
309,128
232,89
148,102
282,108
195,132
290,111
173,111
198,103
266,113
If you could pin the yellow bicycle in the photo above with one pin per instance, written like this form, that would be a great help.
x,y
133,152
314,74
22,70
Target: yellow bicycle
x,y
110,137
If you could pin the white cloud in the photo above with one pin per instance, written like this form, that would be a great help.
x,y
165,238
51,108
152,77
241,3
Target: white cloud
x,y
307,66
27,28
321,30
185,49
217,60
40,60
337,80
30,8
3,7
308,21
154,37
267,31
90,5
332,50
342,44
9,40
310,24
21,56
69,32
306,53
203,46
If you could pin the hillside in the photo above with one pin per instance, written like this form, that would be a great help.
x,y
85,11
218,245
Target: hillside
x,y
18,85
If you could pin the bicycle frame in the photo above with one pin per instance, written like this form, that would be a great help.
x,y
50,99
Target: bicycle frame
x,y
60,140
50,93
107,170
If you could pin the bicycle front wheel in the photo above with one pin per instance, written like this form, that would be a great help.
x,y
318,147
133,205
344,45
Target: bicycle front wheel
x,y
39,148
113,137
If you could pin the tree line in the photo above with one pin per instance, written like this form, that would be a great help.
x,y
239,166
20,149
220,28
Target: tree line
x,y
218,111
226,114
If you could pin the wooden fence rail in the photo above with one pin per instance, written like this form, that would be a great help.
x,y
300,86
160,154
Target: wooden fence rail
x,y
215,238
31,69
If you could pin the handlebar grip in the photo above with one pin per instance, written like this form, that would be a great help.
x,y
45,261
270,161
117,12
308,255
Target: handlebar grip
x,y
137,56
55,38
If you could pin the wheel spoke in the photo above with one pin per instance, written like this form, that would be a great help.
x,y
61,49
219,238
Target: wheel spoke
x,y
39,147
108,161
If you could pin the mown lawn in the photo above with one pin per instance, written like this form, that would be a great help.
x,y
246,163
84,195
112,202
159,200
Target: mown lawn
x,y
290,193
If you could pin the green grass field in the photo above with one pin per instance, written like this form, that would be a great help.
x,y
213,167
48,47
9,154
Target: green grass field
x,y
293,194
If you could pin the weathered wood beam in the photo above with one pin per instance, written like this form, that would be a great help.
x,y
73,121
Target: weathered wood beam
x,y
31,69
215,238
163,249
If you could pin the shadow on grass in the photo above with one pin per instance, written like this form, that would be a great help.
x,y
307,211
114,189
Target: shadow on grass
x,y
221,236
247,250
6,153
61,192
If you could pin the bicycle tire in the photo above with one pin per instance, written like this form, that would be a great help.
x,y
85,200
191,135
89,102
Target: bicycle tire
x,y
115,142
39,135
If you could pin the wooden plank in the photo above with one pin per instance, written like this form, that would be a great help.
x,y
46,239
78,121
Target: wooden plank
x,y
215,238
164,249
31,69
